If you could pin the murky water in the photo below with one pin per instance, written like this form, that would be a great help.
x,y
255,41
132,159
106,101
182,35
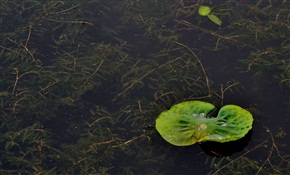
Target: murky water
x,y
82,84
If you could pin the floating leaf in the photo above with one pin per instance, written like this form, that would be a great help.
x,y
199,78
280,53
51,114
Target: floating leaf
x,y
214,19
205,11
187,123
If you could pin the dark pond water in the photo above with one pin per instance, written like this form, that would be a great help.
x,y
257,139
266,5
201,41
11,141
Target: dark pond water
x,y
82,84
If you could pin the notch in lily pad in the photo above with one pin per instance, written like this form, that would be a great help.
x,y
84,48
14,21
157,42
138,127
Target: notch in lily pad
x,y
206,11
187,123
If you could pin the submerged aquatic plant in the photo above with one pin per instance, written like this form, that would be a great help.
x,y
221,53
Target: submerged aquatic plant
x,y
187,123
276,162
206,11
80,87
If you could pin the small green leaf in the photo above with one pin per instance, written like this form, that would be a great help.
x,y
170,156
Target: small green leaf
x,y
214,19
204,10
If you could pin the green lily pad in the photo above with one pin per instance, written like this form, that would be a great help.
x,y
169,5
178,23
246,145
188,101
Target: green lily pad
x,y
205,11
187,123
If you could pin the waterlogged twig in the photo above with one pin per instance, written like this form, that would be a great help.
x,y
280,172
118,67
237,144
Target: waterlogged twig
x,y
131,140
103,143
223,91
70,21
5,48
142,77
66,10
202,68
163,95
26,43
234,38
48,86
17,78
267,161
94,73
247,152
99,119
273,147
16,102
62,12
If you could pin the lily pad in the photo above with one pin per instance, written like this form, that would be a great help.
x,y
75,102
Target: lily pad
x,y
187,123
206,11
